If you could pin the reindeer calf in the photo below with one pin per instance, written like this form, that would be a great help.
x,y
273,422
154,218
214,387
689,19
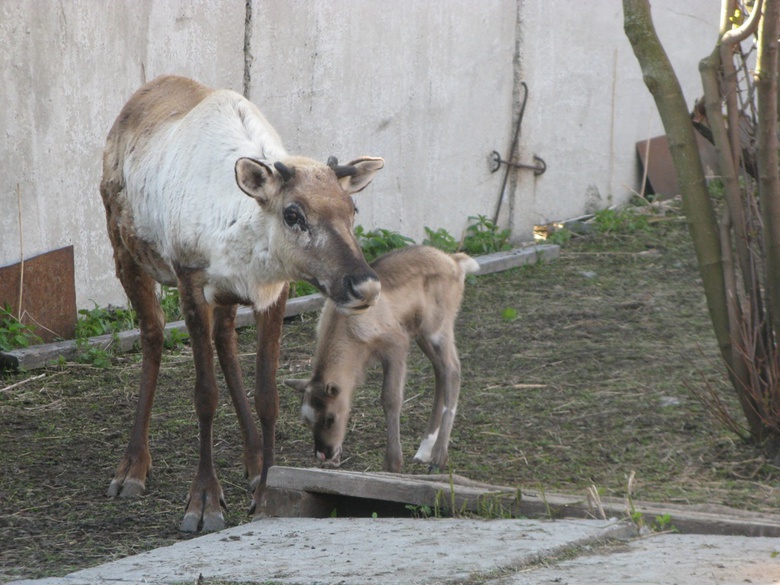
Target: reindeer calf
x,y
422,289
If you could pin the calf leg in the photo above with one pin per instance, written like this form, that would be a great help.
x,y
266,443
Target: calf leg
x,y
446,368
226,342
130,477
205,497
394,368
269,333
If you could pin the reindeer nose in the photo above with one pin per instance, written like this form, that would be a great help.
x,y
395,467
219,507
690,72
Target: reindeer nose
x,y
365,288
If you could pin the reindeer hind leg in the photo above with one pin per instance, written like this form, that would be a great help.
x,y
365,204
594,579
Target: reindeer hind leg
x,y
130,476
443,355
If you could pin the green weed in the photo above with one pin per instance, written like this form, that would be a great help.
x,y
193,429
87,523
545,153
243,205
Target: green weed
x,y
301,288
170,303
619,221
441,239
380,241
175,338
561,237
13,333
422,511
484,237
100,321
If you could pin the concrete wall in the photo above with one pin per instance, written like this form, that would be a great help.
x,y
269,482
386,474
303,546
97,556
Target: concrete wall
x,y
588,105
66,69
430,86
426,85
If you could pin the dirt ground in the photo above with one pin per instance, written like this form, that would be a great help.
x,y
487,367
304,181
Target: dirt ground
x,y
594,378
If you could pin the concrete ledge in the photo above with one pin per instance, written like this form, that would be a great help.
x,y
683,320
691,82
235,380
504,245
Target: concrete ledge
x,y
499,261
320,491
39,356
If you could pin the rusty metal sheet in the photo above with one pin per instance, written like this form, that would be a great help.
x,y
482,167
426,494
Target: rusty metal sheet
x,y
661,178
49,295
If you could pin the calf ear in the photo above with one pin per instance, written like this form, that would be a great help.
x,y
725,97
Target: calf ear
x,y
299,385
253,178
366,169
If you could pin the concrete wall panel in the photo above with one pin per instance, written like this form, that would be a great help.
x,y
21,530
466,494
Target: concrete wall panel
x,y
66,69
425,85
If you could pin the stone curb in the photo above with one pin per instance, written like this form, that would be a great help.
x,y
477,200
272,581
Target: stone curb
x,y
39,356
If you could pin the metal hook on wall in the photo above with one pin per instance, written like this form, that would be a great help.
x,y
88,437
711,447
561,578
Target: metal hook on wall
x,y
496,161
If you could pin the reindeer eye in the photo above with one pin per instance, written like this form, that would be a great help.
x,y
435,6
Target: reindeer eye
x,y
294,217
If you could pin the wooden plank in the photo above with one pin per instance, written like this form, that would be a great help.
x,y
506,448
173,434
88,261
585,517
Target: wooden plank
x,y
405,489
330,487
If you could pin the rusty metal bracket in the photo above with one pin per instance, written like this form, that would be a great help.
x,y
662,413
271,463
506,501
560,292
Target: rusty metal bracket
x,y
496,161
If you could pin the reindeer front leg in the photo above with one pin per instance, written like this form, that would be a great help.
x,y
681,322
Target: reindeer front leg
x,y
226,342
205,502
394,369
269,333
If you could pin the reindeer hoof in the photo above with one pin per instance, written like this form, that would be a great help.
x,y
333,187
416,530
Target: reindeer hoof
x,y
204,512
211,522
129,488
190,522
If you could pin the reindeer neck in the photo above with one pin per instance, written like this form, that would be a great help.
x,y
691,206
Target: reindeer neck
x,y
340,358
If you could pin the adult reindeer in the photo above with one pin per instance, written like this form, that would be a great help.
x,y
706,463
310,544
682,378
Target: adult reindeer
x,y
200,194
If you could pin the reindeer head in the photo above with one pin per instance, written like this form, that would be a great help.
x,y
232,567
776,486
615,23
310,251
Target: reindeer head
x,y
311,214
325,410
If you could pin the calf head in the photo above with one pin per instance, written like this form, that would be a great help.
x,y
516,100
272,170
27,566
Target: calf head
x,y
310,215
325,410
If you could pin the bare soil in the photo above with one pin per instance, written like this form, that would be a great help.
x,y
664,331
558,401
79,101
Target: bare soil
x,y
596,377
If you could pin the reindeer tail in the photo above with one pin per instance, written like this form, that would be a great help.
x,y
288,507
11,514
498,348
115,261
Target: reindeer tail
x,y
467,264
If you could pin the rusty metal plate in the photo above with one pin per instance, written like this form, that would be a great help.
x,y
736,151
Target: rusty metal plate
x,y
49,295
661,177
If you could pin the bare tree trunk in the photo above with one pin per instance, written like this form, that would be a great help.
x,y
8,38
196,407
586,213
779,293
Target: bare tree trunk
x,y
728,148
768,178
663,85
746,342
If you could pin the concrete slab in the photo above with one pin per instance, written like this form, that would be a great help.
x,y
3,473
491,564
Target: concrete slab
x,y
664,559
353,550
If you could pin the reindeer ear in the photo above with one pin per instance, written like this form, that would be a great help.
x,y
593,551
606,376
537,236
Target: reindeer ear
x,y
253,178
366,167
332,389
299,385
